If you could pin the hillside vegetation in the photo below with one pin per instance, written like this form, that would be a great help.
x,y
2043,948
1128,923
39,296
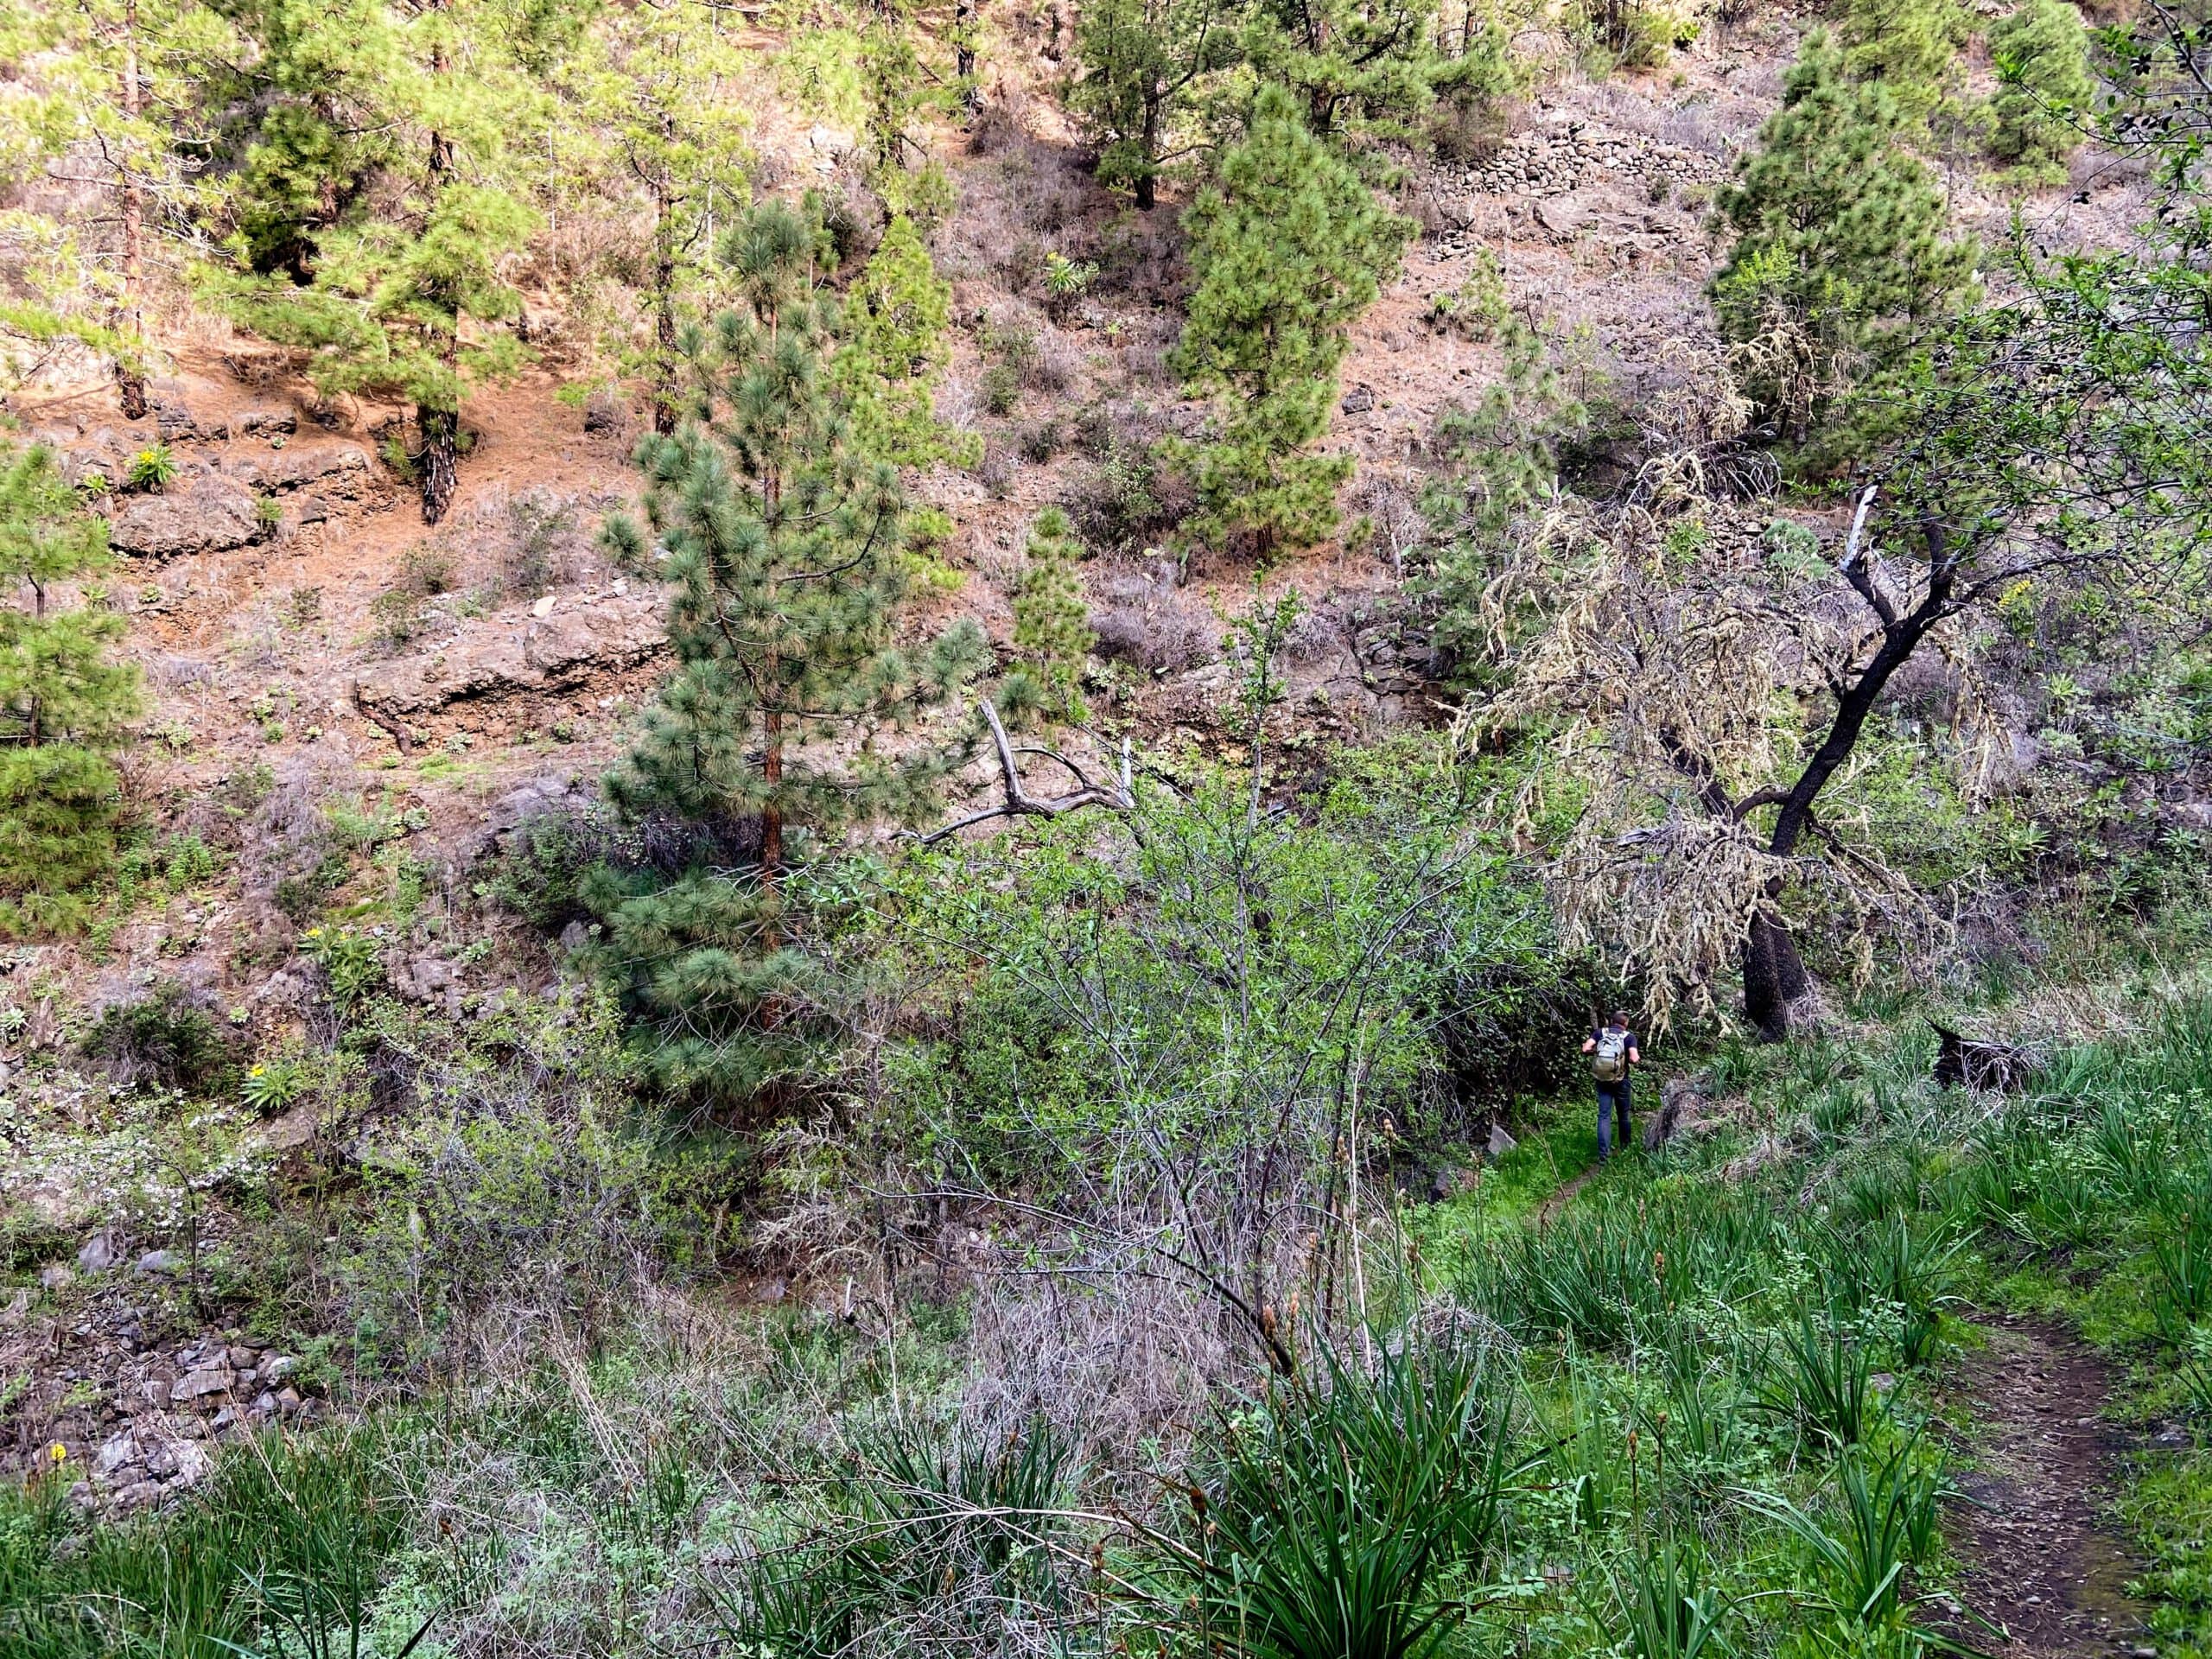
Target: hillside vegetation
x,y
808,816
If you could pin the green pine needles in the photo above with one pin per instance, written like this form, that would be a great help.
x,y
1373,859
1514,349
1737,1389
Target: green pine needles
x,y
1840,248
2045,95
1289,247
891,353
1052,628
62,703
783,541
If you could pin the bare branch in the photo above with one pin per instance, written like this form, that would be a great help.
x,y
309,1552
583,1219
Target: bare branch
x,y
1120,795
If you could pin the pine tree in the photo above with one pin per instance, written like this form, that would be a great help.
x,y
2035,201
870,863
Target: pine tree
x,y
891,351
1052,628
1289,248
62,703
2045,92
1840,244
1367,68
116,98
783,544
391,283
310,100
1911,46
1144,63
660,126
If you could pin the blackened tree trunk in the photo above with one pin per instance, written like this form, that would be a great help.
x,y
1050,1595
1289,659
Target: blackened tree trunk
x,y
964,57
664,297
1774,972
441,459
1147,177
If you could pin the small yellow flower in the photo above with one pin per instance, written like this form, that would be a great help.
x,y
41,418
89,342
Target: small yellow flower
x,y
58,1451
257,1071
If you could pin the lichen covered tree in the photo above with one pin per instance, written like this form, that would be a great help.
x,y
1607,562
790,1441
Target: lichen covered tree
x,y
783,543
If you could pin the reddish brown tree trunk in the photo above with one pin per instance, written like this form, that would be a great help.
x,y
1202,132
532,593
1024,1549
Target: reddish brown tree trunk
x,y
129,378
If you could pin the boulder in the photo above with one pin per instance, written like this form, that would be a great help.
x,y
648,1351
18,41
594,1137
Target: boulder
x,y
100,1252
261,423
158,1261
498,657
199,1384
56,1276
116,1453
211,514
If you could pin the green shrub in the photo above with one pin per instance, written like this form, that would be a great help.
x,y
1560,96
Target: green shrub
x,y
1001,388
281,1553
152,468
2045,92
165,1041
1339,1518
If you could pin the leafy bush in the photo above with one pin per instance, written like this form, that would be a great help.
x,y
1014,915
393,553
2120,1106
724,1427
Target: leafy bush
x,y
151,469
165,1041
352,963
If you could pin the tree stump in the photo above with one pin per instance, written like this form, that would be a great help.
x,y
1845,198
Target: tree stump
x,y
1963,1061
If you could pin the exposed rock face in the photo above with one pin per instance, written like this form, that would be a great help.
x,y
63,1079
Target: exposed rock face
x,y
209,514
339,470
502,656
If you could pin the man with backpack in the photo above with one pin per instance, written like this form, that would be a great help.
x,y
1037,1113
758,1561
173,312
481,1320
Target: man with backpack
x,y
1612,1051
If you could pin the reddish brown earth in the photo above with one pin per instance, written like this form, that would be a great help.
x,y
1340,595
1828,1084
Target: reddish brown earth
x,y
2044,1565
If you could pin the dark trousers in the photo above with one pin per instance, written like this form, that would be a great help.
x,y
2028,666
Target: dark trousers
x,y
1613,1111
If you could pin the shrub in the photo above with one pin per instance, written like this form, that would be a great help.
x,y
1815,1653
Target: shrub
x,y
1332,1518
537,869
1001,388
282,1552
152,468
352,963
398,618
164,1041
428,569
542,535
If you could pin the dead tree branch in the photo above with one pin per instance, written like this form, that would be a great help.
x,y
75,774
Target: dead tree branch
x,y
1119,796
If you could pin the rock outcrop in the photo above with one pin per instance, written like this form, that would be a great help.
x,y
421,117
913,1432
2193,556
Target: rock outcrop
x,y
210,512
500,657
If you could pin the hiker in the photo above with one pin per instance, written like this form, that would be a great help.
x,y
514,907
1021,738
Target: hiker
x,y
1613,1055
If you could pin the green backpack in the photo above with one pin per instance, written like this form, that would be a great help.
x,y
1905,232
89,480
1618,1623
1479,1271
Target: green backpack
x,y
1609,1063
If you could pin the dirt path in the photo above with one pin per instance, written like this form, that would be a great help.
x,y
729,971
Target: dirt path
x,y
1564,1194
2041,1564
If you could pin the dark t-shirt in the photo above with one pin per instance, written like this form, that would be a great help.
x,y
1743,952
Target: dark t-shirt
x,y
1598,1035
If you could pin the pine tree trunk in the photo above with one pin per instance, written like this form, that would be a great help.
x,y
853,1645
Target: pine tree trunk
x,y
441,428
130,380
441,459
771,730
1147,184
664,306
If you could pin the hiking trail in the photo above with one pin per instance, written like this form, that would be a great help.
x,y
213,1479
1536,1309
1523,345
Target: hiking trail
x,y
2043,1563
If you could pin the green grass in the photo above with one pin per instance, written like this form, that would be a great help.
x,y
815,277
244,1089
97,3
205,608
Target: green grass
x,y
1710,1395
281,1554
